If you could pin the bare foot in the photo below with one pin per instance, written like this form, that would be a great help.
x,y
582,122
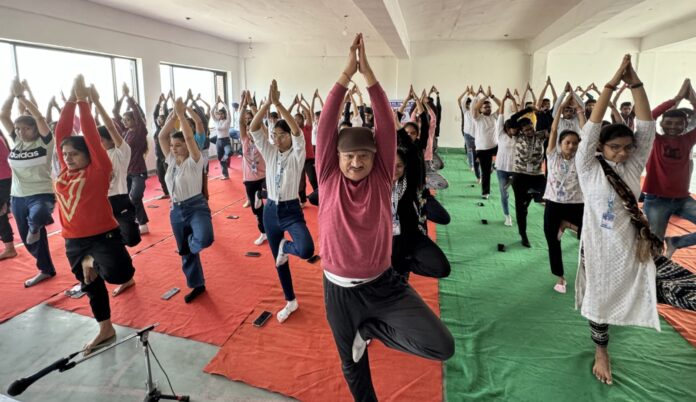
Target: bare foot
x,y
88,272
602,366
106,335
119,289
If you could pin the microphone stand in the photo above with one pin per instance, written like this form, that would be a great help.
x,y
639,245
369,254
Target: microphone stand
x,y
153,393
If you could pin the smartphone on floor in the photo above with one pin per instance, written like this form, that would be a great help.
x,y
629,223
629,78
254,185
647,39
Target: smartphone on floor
x,y
261,319
171,292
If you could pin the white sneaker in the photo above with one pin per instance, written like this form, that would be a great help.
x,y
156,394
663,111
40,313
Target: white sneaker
x,y
508,220
261,239
485,196
246,204
289,308
144,229
359,346
282,257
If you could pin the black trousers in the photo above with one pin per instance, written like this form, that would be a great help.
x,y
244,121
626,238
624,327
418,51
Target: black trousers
x,y
417,253
387,309
554,214
6,234
485,158
161,171
521,186
311,173
124,212
112,263
252,188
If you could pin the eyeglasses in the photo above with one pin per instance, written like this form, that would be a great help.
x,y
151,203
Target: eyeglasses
x,y
279,135
617,148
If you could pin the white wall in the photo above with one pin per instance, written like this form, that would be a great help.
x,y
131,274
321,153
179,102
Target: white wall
x,y
450,66
81,25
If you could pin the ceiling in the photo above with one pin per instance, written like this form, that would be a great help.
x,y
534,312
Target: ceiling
x,y
321,24
267,21
480,19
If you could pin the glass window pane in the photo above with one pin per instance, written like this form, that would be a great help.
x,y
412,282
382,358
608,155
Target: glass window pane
x,y
165,78
199,81
125,73
7,72
51,71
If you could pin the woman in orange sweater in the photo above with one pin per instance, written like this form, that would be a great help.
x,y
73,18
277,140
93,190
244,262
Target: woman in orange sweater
x,y
93,242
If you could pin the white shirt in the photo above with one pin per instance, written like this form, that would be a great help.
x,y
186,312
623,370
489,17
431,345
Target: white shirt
x,y
119,157
484,131
283,169
221,128
567,124
613,286
184,181
315,129
235,119
505,159
468,120
562,184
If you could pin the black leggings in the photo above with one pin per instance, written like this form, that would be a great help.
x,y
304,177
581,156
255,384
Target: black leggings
x,y
522,184
112,263
311,173
161,171
387,309
417,253
554,214
124,212
485,158
6,234
252,189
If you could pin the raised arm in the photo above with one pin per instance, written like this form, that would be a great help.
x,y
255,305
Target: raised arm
x,y
164,136
327,131
553,136
618,94
542,94
284,113
108,123
476,106
242,111
684,92
6,113
197,121
41,123
309,116
97,154
158,106
206,104
191,144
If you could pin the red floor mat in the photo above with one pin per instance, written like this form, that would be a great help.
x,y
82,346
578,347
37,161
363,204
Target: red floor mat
x,y
299,358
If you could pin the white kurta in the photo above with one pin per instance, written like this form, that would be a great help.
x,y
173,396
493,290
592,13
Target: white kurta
x,y
613,287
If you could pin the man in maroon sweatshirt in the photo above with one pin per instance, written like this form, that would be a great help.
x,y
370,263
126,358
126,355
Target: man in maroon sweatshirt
x,y
364,298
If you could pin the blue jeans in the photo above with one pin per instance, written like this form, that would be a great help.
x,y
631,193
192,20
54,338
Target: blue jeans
x,y
224,150
193,231
504,182
658,210
136,191
32,214
279,217
470,143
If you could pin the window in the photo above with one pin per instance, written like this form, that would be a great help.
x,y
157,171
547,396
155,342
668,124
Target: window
x,y
51,71
208,83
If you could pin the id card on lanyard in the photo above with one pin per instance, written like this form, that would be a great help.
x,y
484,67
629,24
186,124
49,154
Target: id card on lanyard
x,y
396,224
280,170
608,217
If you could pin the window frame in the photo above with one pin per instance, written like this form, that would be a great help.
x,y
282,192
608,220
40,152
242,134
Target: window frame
x,y
216,73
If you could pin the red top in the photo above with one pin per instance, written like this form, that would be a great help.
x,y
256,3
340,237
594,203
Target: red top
x,y
355,218
309,149
5,170
668,168
82,194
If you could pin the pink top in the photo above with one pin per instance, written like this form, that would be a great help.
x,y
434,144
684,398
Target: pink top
x,y
431,136
5,170
309,148
254,167
355,219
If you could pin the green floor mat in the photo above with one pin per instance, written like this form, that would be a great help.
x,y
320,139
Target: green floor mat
x,y
519,340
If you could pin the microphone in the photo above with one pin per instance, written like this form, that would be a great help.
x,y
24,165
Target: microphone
x,y
22,384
